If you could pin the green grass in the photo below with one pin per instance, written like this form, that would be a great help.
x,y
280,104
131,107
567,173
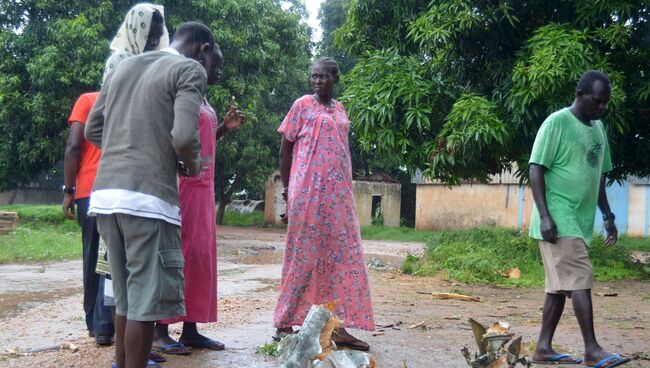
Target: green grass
x,y
481,255
43,235
270,349
233,218
638,244
403,234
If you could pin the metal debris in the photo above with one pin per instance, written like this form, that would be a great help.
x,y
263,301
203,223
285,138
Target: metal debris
x,y
346,359
492,347
378,264
313,347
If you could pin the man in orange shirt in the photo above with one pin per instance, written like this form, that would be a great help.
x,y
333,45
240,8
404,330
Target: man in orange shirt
x,y
80,167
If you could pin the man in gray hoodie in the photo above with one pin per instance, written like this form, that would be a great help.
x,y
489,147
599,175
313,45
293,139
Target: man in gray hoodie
x,y
145,121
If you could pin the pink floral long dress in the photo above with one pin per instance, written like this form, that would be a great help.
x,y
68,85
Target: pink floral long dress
x,y
324,258
199,229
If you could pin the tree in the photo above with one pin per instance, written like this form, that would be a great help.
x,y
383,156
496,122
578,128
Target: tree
x,y
52,51
458,88
332,15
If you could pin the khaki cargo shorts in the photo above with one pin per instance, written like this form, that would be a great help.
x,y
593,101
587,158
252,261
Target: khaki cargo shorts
x,y
146,264
567,266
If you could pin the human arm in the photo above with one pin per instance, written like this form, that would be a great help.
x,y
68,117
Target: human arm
x,y
234,120
611,235
538,184
290,129
286,157
190,88
71,162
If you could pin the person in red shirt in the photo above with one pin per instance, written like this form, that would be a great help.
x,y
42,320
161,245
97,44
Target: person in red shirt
x,y
80,167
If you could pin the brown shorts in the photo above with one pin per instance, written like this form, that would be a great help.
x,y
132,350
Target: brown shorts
x,y
567,266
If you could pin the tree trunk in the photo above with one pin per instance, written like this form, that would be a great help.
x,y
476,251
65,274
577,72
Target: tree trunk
x,y
221,209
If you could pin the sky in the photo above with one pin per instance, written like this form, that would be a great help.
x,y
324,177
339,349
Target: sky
x,y
312,8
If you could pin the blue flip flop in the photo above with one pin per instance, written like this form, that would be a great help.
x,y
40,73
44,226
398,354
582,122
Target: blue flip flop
x,y
150,364
611,361
176,348
558,359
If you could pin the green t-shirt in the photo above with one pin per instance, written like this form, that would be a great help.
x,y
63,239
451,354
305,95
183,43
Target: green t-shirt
x,y
575,156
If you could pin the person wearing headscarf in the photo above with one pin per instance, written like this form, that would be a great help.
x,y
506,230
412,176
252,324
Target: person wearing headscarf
x,y
136,34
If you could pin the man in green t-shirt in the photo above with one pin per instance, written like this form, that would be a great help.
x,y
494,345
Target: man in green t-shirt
x,y
567,164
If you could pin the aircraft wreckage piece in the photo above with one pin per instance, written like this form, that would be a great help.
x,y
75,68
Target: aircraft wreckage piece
x,y
298,350
491,345
313,347
346,359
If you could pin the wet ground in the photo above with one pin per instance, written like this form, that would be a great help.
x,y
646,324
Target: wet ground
x,y
40,306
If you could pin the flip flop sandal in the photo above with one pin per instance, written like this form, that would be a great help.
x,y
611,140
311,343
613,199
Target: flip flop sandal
x,y
611,361
157,357
174,349
558,359
278,336
150,364
205,344
354,344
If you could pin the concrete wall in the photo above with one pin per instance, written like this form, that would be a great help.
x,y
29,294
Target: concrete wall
x,y
31,196
274,204
470,205
390,193
510,205
638,210
391,198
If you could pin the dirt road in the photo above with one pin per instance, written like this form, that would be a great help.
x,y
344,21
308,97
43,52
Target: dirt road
x,y
40,305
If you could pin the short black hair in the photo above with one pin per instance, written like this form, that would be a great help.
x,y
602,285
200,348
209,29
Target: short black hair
x,y
587,80
330,64
195,32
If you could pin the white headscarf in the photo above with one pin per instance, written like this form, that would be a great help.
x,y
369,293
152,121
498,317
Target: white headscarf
x,y
132,36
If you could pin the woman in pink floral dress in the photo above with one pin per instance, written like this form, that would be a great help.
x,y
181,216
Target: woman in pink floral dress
x,y
324,259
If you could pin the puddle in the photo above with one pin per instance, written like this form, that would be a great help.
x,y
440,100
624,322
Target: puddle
x,y
12,304
259,257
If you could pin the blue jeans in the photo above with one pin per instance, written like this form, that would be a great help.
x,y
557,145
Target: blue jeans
x,y
98,317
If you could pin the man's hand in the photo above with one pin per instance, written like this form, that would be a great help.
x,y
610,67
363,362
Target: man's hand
x,y
68,206
549,230
182,169
234,119
611,232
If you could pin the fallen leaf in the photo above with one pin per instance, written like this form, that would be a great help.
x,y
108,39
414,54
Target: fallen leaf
x,y
514,273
